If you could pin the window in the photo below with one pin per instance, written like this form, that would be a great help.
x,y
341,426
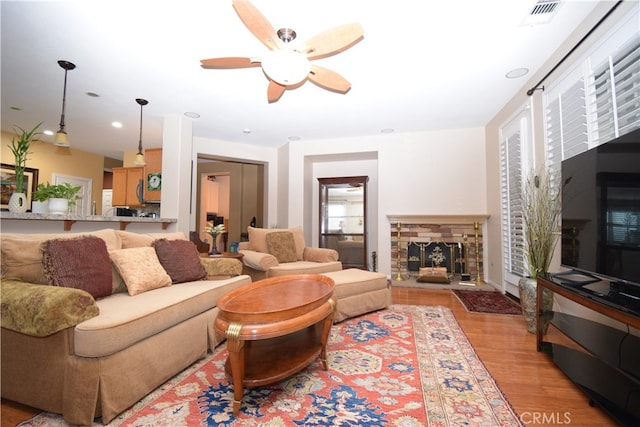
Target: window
x,y
515,162
598,99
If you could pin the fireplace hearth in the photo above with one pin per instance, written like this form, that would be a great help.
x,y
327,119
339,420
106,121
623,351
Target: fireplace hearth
x,y
419,241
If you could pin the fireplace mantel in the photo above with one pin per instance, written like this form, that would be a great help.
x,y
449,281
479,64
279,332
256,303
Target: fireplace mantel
x,y
438,219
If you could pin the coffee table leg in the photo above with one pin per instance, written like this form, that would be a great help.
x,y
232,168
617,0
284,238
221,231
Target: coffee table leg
x,y
235,346
326,329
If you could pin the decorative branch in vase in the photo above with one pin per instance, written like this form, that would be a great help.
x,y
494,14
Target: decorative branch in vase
x,y
214,231
20,149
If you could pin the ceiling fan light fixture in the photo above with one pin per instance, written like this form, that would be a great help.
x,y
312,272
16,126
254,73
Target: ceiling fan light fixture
x,y
139,161
286,67
61,139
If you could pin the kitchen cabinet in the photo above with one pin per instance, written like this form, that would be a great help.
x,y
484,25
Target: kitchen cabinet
x,y
126,182
153,174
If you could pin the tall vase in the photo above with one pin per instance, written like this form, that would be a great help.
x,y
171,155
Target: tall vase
x,y
18,203
527,288
214,248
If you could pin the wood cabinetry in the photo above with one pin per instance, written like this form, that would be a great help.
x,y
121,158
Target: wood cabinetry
x,y
153,158
126,183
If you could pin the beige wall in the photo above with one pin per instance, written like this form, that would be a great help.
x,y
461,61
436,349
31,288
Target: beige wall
x,y
50,159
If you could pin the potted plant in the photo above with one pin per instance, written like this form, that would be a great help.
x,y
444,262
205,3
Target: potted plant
x,y
40,198
541,209
214,232
62,197
20,147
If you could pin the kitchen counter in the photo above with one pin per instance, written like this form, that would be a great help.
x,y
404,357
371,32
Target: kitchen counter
x,y
69,220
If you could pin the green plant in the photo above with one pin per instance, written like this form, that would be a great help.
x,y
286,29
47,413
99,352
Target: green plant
x,y
20,149
541,209
42,193
64,191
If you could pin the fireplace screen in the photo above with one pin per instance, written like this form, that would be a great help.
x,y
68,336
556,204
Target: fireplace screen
x,y
436,254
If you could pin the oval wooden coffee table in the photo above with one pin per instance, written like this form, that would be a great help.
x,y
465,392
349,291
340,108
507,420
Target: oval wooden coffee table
x,y
274,328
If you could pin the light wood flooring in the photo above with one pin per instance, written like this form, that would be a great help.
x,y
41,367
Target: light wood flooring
x,y
539,392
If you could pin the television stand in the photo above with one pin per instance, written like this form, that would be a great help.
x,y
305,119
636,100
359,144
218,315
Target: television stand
x,y
608,371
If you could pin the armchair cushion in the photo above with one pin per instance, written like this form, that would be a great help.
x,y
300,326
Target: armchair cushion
x,y
258,260
282,246
258,239
41,310
320,254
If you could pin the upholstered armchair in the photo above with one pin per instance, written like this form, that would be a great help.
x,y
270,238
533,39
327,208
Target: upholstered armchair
x,y
274,252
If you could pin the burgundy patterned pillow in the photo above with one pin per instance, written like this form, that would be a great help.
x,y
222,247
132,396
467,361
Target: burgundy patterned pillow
x,y
180,259
81,263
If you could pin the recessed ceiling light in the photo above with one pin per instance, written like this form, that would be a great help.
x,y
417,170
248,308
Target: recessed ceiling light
x,y
92,94
48,132
116,125
294,138
518,72
387,130
192,115
245,130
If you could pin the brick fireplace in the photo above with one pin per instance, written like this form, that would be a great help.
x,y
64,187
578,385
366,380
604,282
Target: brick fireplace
x,y
417,235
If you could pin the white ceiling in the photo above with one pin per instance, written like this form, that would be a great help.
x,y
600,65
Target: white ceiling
x,y
422,65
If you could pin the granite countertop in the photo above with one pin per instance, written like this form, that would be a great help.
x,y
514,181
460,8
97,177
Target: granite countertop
x,y
71,219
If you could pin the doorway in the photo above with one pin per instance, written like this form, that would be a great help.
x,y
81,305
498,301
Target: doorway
x,y
83,205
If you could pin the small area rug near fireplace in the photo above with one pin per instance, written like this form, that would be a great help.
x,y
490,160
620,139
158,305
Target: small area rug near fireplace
x,y
487,302
405,366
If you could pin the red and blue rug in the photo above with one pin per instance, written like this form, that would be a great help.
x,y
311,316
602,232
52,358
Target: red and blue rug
x,y
403,366
488,302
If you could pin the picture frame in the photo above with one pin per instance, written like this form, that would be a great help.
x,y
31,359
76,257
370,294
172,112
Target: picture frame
x,y
8,184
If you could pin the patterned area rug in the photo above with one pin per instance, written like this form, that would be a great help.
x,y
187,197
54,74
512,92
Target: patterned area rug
x,y
488,302
404,366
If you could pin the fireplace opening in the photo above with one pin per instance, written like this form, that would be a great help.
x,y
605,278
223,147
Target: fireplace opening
x,y
452,256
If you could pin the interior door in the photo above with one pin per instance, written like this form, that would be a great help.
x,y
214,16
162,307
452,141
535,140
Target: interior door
x,y
343,218
82,206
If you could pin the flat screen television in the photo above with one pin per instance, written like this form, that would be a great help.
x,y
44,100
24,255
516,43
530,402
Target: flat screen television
x,y
601,213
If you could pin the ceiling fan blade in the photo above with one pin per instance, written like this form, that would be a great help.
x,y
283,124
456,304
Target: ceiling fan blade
x,y
274,91
229,62
328,79
334,41
257,24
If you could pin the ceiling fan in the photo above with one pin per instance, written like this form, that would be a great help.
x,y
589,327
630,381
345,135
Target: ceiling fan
x,y
287,67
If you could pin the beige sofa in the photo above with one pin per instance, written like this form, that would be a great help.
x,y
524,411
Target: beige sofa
x,y
65,351
272,252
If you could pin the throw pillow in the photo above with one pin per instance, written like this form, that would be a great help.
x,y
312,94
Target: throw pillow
x,y
180,259
282,246
258,239
81,263
140,269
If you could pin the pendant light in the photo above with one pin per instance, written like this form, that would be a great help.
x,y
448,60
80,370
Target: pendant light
x,y
139,156
61,136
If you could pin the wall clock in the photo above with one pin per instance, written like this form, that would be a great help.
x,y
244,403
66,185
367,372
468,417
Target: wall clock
x,y
154,181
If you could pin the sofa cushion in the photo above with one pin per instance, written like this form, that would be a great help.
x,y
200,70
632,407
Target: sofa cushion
x,y
281,245
81,263
22,257
320,254
125,320
140,269
258,239
258,260
180,259
41,310
136,240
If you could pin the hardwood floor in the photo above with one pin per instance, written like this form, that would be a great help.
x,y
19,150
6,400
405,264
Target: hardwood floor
x,y
539,392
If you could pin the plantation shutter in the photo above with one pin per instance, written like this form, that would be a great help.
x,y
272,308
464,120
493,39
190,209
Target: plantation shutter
x,y
513,164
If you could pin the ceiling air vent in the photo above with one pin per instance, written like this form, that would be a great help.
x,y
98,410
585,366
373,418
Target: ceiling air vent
x,y
542,12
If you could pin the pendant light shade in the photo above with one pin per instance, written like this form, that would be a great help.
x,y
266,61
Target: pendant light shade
x,y
61,136
139,161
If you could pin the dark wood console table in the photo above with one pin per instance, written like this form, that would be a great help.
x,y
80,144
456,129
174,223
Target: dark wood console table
x,y
607,368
